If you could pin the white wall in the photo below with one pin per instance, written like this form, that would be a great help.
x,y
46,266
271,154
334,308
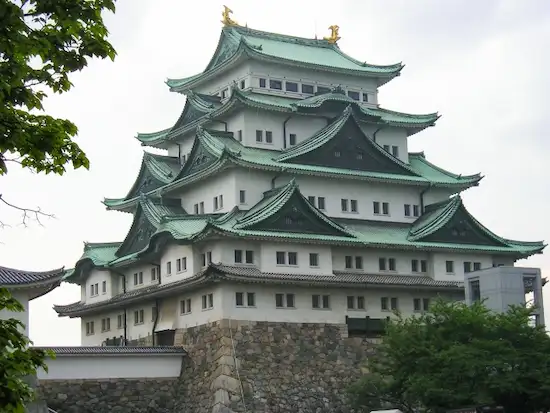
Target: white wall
x,y
221,184
22,296
391,136
438,261
74,367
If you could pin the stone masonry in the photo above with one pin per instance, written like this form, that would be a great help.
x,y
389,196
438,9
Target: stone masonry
x,y
262,367
109,396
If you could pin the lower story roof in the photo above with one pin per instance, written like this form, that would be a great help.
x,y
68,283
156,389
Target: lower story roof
x,y
112,350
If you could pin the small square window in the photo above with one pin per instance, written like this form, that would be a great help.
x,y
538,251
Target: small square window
x,y
262,82
311,199
259,135
275,84
477,266
292,139
292,258
321,202
353,95
291,86
313,259
387,148
268,136
450,267
238,256
307,89
281,258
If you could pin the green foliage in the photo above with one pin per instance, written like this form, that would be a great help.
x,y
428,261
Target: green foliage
x,y
458,355
17,360
41,43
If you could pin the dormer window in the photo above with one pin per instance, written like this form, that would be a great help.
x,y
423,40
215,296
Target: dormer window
x,y
291,86
307,89
353,95
275,84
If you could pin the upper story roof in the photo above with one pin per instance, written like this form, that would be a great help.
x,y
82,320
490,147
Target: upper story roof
x,y
237,44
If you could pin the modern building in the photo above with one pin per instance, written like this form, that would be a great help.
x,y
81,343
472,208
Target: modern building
x,y
25,286
285,193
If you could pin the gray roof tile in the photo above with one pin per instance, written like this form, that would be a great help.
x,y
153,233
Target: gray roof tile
x,y
13,277
92,350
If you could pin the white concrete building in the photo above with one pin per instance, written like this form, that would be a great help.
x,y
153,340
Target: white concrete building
x,y
287,193
25,286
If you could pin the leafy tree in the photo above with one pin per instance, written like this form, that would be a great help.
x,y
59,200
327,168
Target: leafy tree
x,y
17,360
41,43
455,356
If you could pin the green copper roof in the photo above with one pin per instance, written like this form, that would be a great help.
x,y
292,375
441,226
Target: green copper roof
x,y
197,107
155,171
332,102
97,254
237,44
355,150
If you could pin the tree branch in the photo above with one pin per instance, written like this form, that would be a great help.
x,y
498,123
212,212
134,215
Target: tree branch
x,y
27,214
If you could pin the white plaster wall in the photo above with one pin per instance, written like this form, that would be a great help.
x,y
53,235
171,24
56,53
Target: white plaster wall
x,y
198,316
434,195
97,276
22,296
265,309
136,331
371,260
269,262
438,260
129,272
391,136
171,254
205,191
215,85
100,336
74,367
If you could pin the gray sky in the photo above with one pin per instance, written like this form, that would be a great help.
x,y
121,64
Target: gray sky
x,y
481,64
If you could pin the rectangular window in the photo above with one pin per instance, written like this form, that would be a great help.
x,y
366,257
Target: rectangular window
x,y
292,139
353,205
449,267
475,291
348,261
251,299
220,201
105,324
284,300
238,256
153,274
423,266
223,94
154,313
384,303
320,301
138,316
140,277
414,265
393,303
351,302
416,210
425,304
275,84
292,258
360,303
135,280
207,301
359,263
203,260
307,89
242,84
201,207
185,306
353,95
104,287
216,206
467,266
365,97
395,151
178,265
240,135
407,210
391,264
344,204
322,90
382,264
249,257
311,200
291,86
356,303
196,209
120,321
210,300
417,305
209,257
169,268
242,196
184,264
259,135
281,257
268,136
385,208
376,207
239,299
262,82
313,259
321,202
477,266
386,148
89,328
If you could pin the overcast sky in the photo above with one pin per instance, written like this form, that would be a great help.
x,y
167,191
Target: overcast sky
x,y
482,64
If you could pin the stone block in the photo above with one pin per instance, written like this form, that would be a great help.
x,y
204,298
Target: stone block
x,y
225,382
